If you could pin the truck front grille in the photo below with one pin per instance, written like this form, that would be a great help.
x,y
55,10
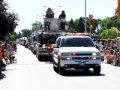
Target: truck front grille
x,y
80,57
79,54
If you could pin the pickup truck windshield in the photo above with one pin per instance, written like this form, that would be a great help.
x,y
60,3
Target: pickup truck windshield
x,y
77,42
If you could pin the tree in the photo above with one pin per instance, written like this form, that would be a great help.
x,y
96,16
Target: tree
x,y
36,26
117,24
71,23
109,33
26,32
8,20
71,26
10,36
71,30
18,35
81,26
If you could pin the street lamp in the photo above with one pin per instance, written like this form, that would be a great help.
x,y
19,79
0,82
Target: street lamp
x,y
56,7
53,8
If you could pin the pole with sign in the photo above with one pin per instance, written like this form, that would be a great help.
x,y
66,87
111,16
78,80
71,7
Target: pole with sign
x,y
90,22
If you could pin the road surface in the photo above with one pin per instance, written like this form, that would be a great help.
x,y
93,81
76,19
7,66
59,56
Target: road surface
x,y
30,74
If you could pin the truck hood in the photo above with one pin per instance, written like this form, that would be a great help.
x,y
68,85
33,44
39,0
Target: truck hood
x,y
78,49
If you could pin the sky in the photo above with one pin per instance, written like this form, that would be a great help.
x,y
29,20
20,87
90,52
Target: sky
x,y
30,11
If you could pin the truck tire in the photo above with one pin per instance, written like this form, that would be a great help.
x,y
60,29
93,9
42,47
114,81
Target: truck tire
x,y
55,68
86,70
61,70
39,58
97,70
34,52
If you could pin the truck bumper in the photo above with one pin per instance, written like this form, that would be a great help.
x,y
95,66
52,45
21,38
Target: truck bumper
x,y
80,64
45,54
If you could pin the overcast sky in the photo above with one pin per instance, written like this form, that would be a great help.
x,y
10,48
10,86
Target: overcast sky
x,y
30,11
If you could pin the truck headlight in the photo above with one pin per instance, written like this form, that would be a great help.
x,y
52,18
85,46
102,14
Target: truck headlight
x,y
65,56
94,55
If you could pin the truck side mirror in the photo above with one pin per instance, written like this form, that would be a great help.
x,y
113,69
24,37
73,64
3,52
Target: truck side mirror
x,y
55,45
97,46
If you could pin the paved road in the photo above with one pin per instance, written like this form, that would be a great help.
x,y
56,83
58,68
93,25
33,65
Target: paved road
x,y
30,74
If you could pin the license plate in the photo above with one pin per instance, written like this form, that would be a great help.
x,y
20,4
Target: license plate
x,y
82,62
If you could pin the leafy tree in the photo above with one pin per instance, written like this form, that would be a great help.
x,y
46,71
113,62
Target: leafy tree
x,y
109,34
36,25
110,22
8,21
19,35
76,23
117,24
10,36
81,26
104,22
71,30
71,23
26,32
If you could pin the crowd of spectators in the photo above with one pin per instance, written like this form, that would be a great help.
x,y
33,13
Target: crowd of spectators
x,y
110,52
7,51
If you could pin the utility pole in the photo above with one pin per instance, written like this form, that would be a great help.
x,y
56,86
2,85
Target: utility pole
x,y
85,19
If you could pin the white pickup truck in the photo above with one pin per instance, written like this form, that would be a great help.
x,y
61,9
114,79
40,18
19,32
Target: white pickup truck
x,y
78,52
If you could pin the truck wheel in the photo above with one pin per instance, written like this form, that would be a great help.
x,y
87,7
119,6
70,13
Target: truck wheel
x,y
97,70
39,58
86,70
34,52
55,68
61,70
